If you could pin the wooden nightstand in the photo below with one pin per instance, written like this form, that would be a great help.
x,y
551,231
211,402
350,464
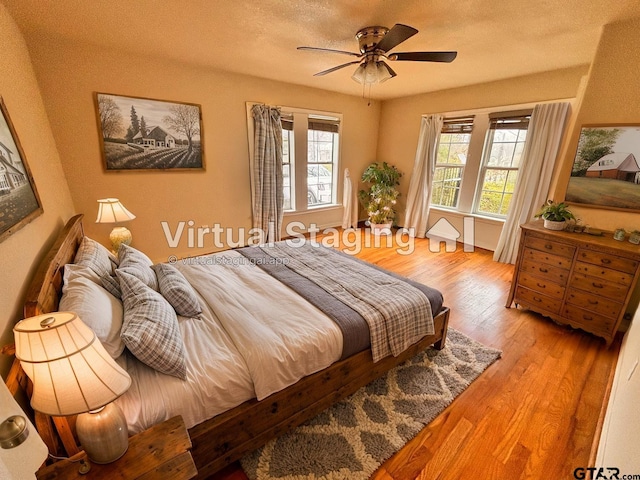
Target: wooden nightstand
x,y
159,452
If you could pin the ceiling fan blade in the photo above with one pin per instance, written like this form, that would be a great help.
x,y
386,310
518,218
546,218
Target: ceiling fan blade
x,y
324,72
330,50
446,57
398,34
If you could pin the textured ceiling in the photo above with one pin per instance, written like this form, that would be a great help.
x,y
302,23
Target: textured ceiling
x,y
495,39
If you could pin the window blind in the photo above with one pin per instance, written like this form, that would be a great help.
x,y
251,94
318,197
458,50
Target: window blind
x,y
458,125
324,124
514,120
287,122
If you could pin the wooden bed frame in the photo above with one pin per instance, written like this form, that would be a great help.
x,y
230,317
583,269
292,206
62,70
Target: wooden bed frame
x,y
224,438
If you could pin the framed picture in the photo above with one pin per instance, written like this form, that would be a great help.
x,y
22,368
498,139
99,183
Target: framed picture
x,y
146,134
606,168
19,201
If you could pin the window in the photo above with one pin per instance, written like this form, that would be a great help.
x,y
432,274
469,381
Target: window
x,y
453,148
309,173
477,162
501,160
287,153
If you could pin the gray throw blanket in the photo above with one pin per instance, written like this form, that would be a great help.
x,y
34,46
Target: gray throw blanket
x,y
398,314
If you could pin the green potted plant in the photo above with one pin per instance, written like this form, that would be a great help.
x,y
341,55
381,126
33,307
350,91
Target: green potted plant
x,y
555,215
380,198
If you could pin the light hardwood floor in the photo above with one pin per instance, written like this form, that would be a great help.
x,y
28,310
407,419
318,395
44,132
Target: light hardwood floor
x,y
533,414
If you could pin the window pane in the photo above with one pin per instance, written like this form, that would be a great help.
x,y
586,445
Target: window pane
x,y
446,186
497,189
287,154
320,148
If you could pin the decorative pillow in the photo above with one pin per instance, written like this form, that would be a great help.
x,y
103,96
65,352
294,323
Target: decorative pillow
x,y
136,263
177,290
100,310
95,256
150,329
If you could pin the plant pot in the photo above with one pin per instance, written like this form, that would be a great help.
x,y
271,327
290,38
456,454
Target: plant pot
x,y
381,228
553,225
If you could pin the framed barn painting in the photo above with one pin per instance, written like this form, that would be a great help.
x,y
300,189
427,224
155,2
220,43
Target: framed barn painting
x,y
606,168
146,134
19,201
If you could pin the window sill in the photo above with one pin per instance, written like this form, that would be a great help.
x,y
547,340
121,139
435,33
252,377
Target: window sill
x,y
319,208
457,213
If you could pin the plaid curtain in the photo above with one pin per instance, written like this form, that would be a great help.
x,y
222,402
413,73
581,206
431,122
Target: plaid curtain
x,y
268,193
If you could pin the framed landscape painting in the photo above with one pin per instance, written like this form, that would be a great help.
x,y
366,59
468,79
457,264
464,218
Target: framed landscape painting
x,y
19,201
606,168
146,134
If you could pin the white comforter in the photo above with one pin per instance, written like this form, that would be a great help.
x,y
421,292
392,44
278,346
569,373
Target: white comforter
x,y
255,337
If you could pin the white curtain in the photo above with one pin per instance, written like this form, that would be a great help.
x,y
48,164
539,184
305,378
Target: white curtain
x,y
544,136
268,195
419,196
349,202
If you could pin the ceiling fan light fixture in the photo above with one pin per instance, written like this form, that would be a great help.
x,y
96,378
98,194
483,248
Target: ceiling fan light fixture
x,y
372,72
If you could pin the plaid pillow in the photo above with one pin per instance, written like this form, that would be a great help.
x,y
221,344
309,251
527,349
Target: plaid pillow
x,y
136,263
150,328
95,256
177,290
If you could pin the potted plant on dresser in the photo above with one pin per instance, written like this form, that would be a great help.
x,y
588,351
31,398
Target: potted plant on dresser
x,y
380,198
555,215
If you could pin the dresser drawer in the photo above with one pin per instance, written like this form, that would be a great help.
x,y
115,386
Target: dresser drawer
x,y
541,285
609,261
606,274
594,303
597,286
589,321
549,246
537,301
536,256
555,274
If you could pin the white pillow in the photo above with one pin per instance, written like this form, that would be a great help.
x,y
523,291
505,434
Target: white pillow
x,y
100,310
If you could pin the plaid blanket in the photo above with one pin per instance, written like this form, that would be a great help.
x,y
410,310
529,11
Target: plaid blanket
x,y
398,314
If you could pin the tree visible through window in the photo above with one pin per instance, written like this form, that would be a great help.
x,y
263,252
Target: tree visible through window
x,y
501,161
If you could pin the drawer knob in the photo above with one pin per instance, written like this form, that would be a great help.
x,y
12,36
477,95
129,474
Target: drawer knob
x,y
541,286
587,317
593,302
606,261
543,270
548,246
537,299
597,285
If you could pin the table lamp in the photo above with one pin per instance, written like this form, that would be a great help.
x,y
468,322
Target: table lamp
x,y
72,374
110,210
22,451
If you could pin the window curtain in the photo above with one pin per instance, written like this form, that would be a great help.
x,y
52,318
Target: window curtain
x,y
268,195
544,136
419,196
349,202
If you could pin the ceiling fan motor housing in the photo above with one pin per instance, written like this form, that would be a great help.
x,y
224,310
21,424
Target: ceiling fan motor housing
x,y
369,37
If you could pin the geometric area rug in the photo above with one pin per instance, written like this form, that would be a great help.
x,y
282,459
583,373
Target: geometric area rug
x,y
352,438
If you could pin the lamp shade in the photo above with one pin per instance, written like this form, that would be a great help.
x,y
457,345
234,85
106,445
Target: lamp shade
x,y
70,369
110,210
371,72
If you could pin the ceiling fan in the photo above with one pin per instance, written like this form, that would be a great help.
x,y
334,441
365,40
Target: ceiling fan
x,y
375,43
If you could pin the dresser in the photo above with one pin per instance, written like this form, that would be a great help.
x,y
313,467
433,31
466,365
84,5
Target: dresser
x,y
577,279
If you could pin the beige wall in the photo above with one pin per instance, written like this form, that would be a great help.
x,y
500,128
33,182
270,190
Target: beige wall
x,y
20,252
611,96
69,74
400,125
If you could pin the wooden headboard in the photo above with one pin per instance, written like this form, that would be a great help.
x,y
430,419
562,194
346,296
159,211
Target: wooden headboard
x,y
44,292
43,296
